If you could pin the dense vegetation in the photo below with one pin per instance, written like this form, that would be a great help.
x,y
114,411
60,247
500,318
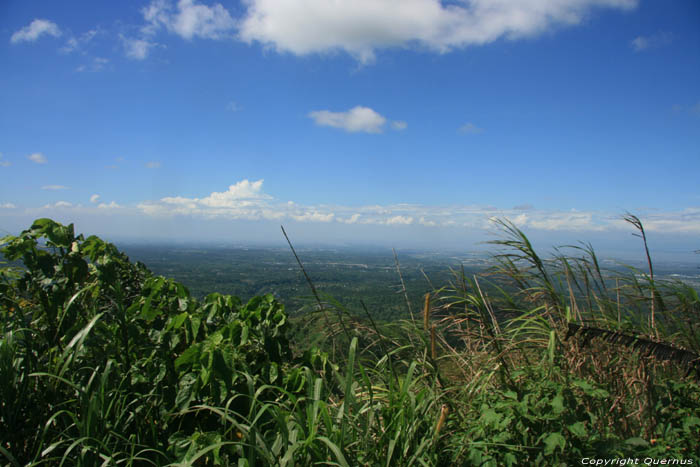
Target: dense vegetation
x,y
541,361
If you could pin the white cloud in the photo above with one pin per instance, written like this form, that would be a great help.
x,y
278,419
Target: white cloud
x,y
247,200
399,125
137,49
189,19
350,220
7,206
360,27
427,223
58,204
561,221
54,187
76,43
470,129
654,41
243,190
313,217
357,119
111,205
153,165
71,45
686,221
233,106
37,158
520,219
401,220
4,163
35,30
98,64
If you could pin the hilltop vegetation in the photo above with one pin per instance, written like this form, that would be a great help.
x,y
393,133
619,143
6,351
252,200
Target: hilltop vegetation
x,y
540,361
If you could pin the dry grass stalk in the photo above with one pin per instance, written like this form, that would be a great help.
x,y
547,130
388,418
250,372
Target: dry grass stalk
x,y
444,410
617,290
426,312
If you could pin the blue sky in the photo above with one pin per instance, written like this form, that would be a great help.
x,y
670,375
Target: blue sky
x,y
371,121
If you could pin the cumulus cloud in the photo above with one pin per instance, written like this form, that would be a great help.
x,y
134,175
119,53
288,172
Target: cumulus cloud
x,y
653,41
399,125
360,27
153,165
4,163
94,198
470,129
36,29
403,220
189,19
54,187
350,220
37,158
137,49
243,200
7,206
358,119
243,190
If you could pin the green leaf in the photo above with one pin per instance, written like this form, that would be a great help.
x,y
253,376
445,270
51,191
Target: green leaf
x,y
637,442
552,442
690,422
490,417
578,429
591,390
184,393
551,347
148,313
336,450
188,357
177,321
273,372
558,404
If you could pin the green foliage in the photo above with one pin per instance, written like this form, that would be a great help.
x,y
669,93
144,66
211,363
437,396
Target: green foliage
x,y
103,362
548,420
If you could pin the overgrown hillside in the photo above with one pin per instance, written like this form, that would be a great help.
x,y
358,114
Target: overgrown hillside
x,y
541,361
